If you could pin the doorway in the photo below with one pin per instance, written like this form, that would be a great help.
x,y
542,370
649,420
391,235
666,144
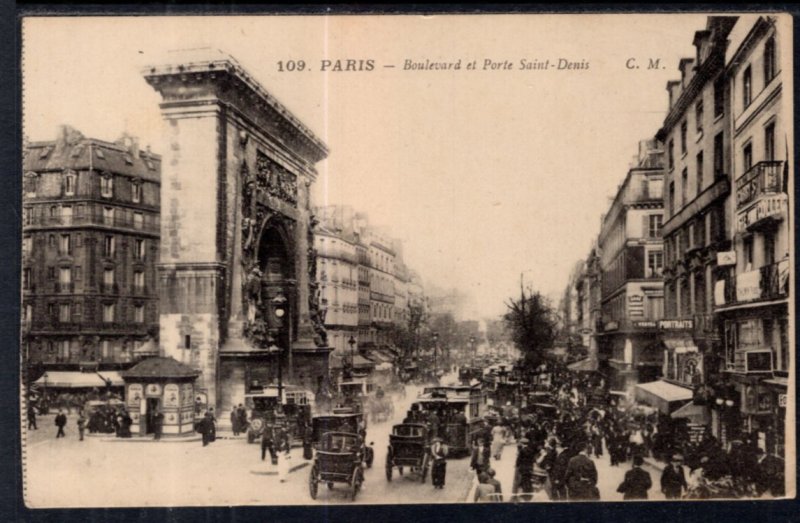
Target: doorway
x,y
153,406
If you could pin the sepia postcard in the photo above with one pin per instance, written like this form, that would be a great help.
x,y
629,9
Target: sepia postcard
x,y
390,259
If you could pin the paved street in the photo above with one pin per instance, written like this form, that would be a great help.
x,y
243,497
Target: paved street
x,y
70,473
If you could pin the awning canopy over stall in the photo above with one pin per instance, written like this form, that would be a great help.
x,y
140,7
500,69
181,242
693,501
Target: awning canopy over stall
x,y
586,365
76,380
697,414
662,395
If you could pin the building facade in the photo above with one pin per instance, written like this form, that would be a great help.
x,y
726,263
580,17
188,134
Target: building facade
x,y
631,261
697,140
752,297
90,242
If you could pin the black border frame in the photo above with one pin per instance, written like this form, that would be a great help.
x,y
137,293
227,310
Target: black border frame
x,y
12,507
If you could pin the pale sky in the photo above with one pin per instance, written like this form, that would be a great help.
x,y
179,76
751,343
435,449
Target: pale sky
x,y
483,174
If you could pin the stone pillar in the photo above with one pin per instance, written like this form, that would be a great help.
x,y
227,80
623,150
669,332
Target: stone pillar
x,y
305,331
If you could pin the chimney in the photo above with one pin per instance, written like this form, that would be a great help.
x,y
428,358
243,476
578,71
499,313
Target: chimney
x,y
701,42
67,137
673,88
686,66
130,144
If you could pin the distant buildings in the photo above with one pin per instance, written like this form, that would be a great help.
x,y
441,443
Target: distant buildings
x,y
365,287
90,242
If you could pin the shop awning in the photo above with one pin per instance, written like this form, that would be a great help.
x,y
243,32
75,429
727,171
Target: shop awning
x,y
662,395
680,345
587,365
360,362
76,380
780,382
694,413
381,356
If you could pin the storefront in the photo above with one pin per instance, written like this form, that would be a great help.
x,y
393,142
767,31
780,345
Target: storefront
x,y
161,385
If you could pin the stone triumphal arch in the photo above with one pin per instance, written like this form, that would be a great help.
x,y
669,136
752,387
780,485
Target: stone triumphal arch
x,y
237,269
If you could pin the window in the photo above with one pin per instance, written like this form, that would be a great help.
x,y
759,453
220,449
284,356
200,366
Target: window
x,y
770,69
698,116
139,249
26,278
65,275
769,247
671,153
655,264
28,317
66,214
719,96
671,198
138,220
51,273
64,312
78,240
654,307
748,254
769,142
76,273
747,87
63,350
108,277
187,341
683,137
747,157
108,312
654,225
138,280
684,186
136,192
64,244
79,211
719,159
108,246
54,211
108,215
69,185
138,313
699,185
27,246
30,184
106,186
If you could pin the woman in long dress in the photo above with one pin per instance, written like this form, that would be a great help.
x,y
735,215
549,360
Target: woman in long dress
x,y
498,440
284,455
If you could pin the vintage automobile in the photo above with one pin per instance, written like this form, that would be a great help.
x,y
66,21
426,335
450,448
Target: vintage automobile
x,y
460,409
409,446
296,407
356,392
338,459
342,420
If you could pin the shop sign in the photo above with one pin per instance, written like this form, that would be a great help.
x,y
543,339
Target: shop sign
x,y
672,325
748,286
611,326
766,207
726,258
644,324
782,401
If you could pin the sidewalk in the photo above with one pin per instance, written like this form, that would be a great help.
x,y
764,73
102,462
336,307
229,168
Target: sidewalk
x,y
504,472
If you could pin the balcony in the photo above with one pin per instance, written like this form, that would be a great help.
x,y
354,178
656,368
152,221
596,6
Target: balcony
x,y
65,287
770,282
109,288
149,224
763,178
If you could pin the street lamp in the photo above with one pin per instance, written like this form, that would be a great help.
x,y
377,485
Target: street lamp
x,y
279,310
435,351
352,342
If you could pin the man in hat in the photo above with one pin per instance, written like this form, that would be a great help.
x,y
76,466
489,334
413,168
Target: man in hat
x,y
484,490
61,421
581,475
439,466
768,474
480,456
524,466
673,481
559,471
637,481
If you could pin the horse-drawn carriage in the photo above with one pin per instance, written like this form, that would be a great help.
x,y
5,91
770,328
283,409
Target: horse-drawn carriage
x,y
409,446
339,459
342,420
295,406
381,408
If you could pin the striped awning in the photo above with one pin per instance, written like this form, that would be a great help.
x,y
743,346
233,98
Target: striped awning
x,y
77,380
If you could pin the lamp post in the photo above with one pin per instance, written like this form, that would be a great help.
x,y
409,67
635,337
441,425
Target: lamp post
x,y
352,342
472,346
279,310
435,352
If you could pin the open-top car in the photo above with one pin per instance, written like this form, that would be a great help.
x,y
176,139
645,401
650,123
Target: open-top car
x,y
409,446
338,459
